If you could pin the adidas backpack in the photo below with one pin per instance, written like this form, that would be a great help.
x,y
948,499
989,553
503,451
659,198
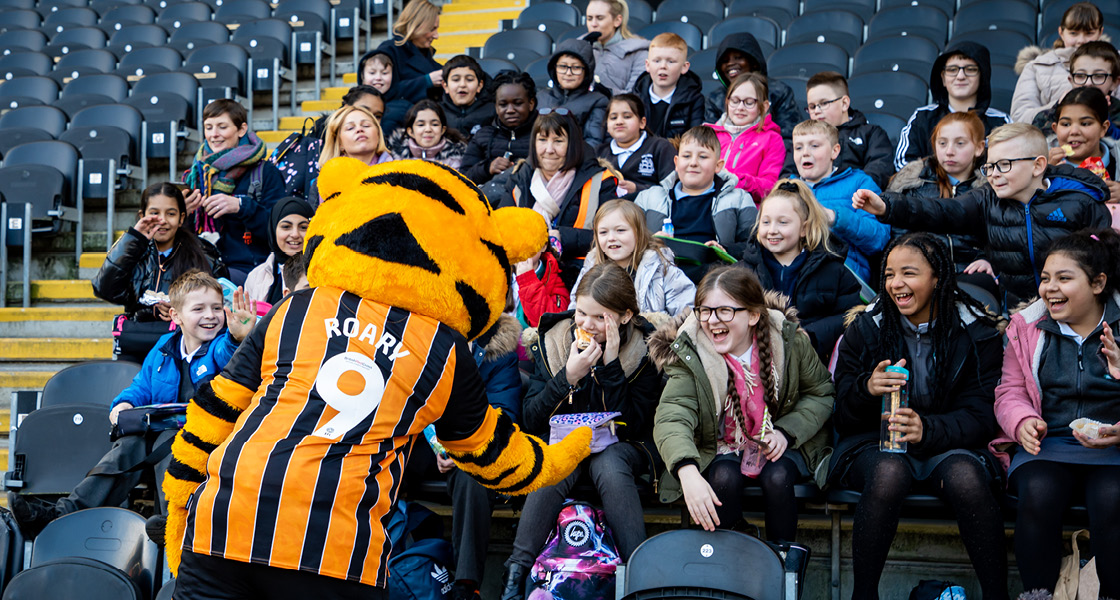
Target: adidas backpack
x,y
579,559
421,560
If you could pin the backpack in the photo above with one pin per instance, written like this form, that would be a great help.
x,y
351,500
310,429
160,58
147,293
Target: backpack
x,y
579,559
297,158
420,561
930,589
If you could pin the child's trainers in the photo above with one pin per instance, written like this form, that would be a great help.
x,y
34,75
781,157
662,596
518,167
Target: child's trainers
x,y
32,514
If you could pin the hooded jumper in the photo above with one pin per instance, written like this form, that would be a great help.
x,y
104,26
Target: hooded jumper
x,y
396,103
864,146
619,61
468,119
783,106
262,283
586,103
1015,235
411,66
914,141
686,107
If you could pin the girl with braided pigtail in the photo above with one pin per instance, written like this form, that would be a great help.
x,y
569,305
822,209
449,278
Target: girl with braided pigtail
x,y
746,401
922,321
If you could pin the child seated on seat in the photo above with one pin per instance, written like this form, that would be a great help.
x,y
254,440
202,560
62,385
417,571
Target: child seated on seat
x,y
197,351
1044,75
672,95
375,69
750,143
572,70
921,321
465,102
641,158
496,146
1093,64
1027,204
816,145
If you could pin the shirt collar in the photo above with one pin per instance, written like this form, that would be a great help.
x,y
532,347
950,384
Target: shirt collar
x,y
668,99
183,354
616,149
679,190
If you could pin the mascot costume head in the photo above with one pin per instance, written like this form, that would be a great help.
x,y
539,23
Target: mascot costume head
x,y
414,255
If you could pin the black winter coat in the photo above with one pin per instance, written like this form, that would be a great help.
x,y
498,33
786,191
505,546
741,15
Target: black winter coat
x,y
467,120
132,267
633,388
1015,235
918,180
411,66
686,109
784,109
646,166
492,141
824,292
588,103
961,418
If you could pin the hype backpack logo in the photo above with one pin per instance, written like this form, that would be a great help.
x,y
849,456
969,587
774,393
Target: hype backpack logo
x,y
579,559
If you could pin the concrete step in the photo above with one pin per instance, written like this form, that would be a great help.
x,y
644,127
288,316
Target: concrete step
x,y
475,5
464,21
351,78
89,264
335,93
54,290
296,123
459,42
55,349
66,321
320,106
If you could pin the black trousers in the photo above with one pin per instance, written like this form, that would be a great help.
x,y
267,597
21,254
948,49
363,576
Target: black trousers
x,y
203,577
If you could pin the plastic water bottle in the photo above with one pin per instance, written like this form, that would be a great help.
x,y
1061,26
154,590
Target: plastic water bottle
x,y
667,227
892,402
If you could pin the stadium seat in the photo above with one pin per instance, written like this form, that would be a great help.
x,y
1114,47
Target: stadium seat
x,y
947,7
838,27
1002,44
571,34
714,8
763,29
747,8
641,14
174,16
130,121
24,64
210,57
864,8
892,124
11,20
182,85
14,135
73,577
553,28
71,40
314,39
244,10
68,18
493,66
124,40
129,14
701,20
807,59
83,62
269,44
167,58
56,446
74,103
114,536
538,70
913,54
519,46
1013,16
17,4
798,85
910,21
28,91
198,34
105,84
703,63
21,40
551,11
896,93
167,119
1003,83
692,35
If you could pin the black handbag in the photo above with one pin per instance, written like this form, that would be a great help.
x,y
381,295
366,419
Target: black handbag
x,y
143,420
137,338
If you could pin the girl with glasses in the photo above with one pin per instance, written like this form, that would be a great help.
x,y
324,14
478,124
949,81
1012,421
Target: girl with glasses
x,y
746,402
572,69
1044,75
923,322
750,143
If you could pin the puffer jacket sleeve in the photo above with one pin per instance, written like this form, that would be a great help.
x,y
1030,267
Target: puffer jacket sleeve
x,y
965,215
1027,100
680,292
677,419
879,160
114,281
476,161
812,407
594,127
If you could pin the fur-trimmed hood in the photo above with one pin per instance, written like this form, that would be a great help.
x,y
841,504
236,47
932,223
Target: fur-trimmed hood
x,y
502,338
917,173
557,330
1044,56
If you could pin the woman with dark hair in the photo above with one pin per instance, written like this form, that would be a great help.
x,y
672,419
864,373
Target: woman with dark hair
x,y
563,181
425,135
148,257
415,68
921,321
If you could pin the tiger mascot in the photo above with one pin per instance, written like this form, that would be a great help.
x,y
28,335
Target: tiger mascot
x,y
283,477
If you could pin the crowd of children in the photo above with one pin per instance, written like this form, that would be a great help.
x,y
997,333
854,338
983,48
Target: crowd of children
x,y
718,370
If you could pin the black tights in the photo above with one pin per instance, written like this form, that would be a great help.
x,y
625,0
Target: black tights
x,y
1045,489
776,481
959,480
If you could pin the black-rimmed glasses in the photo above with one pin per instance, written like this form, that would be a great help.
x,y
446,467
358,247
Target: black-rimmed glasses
x,y
812,108
1003,166
1096,78
725,314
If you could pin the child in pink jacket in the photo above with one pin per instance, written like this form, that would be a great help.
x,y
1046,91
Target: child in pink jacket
x,y
750,143
1061,366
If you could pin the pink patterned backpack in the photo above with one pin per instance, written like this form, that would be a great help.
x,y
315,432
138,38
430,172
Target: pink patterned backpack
x,y
579,559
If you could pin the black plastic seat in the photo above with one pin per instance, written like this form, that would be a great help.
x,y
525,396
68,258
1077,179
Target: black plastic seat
x,y
176,15
251,34
74,103
216,76
229,10
571,34
691,34
714,8
948,7
28,91
838,27
210,57
163,56
182,85
73,577
129,14
1013,16
21,40
196,35
161,110
807,59
83,62
910,21
554,29
906,54
703,63
13,136
109,85
763,29
891,124
17,4
519,46
538,70
747,8
798,85
896,93
702,21
56,446
641,14
1003,82
79,38
493,66
19,19
67,18
24,64
551,11
129,37
1002,44
692,563
863,8
114,536
129,120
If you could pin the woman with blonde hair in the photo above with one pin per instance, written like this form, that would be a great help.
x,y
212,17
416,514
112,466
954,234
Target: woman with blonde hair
x,y
351,131
620,56
415,68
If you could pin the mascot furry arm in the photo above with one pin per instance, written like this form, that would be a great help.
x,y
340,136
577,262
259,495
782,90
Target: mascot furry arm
x,y
408,236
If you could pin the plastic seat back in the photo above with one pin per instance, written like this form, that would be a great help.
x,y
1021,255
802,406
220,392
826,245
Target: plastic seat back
x,y
253,9
1002,44
56,446
863,8
251,34
517,43
551,11
701,20
163,56
47,118
139,36
493,66
183,85
910,21
67,41
24,64
807,59
129,14
204,33
84,578
912,55
11,137
762,28
113,86
27,91
19,19
692,35
75,103
21,40
895,93
66,18
1013,16
711,7
94,382
175,16
839,27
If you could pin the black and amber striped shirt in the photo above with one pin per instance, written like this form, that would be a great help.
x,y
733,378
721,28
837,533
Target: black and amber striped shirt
x,y
343,388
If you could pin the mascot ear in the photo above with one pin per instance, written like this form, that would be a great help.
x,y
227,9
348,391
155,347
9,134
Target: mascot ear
x,y
524,231
339,175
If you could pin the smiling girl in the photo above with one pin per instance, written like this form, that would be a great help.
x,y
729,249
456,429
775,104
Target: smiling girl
x,y
495,147
920,321
1062,364
1081,124
613,374
290,218
792,253
750,143
640,157
746,401
425,135
621,237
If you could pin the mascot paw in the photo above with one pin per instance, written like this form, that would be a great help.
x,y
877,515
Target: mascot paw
x,y
515,463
